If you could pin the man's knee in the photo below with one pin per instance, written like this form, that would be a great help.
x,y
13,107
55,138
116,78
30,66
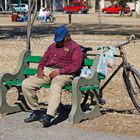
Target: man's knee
x,y
56,85
26,83
61,80
27,87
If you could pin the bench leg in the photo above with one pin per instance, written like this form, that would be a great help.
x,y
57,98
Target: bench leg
x,y
19,105
4,107
78,113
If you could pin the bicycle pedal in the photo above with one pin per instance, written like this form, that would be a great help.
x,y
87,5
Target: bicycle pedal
x,y
102,101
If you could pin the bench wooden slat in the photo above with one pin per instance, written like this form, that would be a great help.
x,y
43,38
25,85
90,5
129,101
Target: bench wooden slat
x,y
88,62
89,87
33,59
101,77
13,82
30,71
68,87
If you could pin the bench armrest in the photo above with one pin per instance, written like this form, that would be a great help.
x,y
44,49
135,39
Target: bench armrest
x,y
22,64
18,73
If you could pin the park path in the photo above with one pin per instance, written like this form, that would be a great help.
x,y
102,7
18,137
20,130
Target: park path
x,y
12,127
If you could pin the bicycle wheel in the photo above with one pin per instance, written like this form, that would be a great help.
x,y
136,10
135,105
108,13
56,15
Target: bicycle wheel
x,y
132,82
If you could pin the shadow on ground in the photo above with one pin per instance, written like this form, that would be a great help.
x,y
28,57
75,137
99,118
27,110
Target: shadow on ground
x,y
8,32
63,113
121,111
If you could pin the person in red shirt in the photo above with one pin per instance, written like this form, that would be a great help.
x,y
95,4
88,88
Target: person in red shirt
x,y
61,61
15,17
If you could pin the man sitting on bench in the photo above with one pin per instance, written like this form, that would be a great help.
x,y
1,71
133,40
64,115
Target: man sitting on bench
x,y
60,62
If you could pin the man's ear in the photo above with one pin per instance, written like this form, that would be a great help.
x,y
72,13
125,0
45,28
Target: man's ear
x,y
67,38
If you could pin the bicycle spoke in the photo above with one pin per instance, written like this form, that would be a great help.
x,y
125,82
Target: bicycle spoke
x,y
134,87
137,81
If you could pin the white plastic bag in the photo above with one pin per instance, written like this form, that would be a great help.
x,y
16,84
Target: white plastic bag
x,y
102,65
111,58
85,72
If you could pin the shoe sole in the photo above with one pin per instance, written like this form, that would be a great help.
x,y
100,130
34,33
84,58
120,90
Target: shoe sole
x,y
44,123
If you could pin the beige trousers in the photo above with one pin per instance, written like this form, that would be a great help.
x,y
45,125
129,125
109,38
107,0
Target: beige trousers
x,y
33,83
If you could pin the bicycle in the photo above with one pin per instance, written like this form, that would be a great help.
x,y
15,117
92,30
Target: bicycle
x,y
130,76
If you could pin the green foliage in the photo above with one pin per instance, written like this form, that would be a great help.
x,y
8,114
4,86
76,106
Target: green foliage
x,y
112,1
18,1
122,2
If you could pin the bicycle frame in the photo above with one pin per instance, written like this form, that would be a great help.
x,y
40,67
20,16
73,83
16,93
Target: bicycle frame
x,y
124,64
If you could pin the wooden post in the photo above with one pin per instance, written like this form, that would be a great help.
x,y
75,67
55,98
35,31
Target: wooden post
x,y
1,5
69,18
135,12
5,5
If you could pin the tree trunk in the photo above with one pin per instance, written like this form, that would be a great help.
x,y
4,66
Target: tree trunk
x,y
1,5
32,4
10,5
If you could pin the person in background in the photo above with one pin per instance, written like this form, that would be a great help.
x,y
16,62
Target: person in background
x,y
15,17
60,63
41,15
23,18
47,13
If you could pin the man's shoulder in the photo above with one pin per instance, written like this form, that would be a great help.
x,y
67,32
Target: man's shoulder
x,y
75,44
52,45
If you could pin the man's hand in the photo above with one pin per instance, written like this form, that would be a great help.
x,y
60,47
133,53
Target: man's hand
x,y
40,73
54,74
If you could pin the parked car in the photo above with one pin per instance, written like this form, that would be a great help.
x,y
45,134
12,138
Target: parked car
x,y
76,7
114,9
23,8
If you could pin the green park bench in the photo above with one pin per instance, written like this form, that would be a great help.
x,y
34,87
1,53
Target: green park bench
x,y
85,91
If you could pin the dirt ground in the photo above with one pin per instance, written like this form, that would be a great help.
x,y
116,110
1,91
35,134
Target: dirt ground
x,y
120,115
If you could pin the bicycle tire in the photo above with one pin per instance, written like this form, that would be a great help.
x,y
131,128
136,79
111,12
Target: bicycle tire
x,y
132,82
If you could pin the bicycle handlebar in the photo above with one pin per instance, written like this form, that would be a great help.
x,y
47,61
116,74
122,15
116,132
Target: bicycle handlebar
x,y
130,38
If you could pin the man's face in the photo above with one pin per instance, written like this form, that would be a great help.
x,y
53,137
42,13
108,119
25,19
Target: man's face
x,y
60,44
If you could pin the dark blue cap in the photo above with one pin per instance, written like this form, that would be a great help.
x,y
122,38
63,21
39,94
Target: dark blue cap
x,y
60,33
